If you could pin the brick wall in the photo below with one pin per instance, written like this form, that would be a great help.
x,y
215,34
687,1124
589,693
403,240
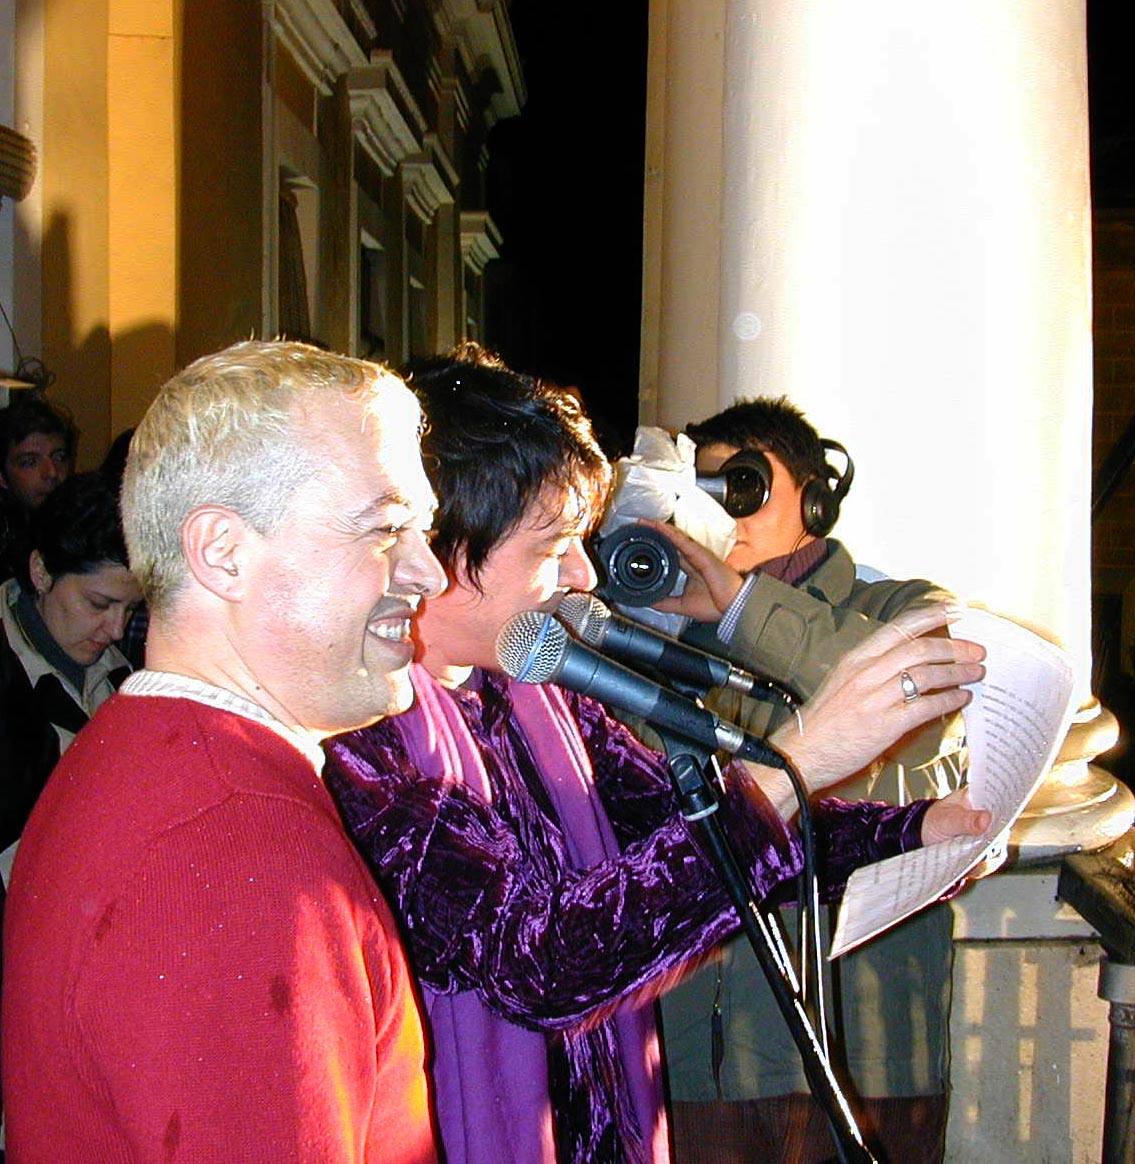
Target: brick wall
x,y
1113,532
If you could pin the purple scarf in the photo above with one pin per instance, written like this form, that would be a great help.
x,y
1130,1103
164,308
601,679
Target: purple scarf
x,y
490,1075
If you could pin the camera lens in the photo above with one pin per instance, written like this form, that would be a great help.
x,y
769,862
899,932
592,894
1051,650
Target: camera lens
x,y
742,485
745,492
640,565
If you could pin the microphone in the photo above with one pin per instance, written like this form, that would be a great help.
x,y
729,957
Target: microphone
x,y
534,648
598,626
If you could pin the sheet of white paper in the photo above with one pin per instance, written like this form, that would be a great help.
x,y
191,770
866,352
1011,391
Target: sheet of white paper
x,y
1015,723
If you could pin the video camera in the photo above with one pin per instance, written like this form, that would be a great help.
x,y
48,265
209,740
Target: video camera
x,y
639,566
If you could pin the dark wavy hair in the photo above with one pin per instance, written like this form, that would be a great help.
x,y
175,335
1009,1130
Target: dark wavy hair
x,y
770,425
31,414
77,529
494,440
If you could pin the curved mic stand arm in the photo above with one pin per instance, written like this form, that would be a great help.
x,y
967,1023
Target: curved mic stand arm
x,y
696,777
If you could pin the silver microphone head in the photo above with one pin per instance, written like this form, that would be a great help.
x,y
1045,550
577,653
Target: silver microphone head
x,y
585,615
531,646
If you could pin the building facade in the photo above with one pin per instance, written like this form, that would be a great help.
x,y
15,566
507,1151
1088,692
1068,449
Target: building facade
x,y
210,170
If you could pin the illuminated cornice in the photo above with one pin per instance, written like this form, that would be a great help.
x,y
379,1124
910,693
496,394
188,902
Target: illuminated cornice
x,y
445,85
480,239
365,22
387,121
429,179
318,38
482,32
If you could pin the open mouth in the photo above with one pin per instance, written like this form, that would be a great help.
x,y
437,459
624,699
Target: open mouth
x,y
395,631
392,624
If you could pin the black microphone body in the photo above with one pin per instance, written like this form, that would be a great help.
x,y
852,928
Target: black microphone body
x,y
534,648
625,639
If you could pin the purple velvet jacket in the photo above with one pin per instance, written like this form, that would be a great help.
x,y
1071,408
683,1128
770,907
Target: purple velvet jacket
x,y
490,903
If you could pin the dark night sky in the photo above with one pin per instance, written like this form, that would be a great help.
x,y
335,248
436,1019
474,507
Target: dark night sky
x,y
1111,95
566,190
566,180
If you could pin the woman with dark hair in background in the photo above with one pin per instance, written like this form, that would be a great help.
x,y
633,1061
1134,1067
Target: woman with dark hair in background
x,y
59,618
59,621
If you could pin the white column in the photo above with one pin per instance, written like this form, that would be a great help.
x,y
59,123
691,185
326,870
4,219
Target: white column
x,y
901,246
905,253
682,215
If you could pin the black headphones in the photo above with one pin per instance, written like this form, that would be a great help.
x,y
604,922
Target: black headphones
x,y
743,484
821,497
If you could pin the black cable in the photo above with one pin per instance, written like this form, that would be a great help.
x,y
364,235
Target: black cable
x,y
28,368
34,370
810,962
12,332
809,959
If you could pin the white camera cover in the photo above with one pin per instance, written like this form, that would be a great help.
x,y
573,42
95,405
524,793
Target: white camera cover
x,y
658,480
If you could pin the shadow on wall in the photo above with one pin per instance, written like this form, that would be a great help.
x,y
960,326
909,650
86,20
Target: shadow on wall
x,y
105,381
1029,1037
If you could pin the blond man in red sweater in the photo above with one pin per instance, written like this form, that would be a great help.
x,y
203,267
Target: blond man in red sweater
x,y
198,966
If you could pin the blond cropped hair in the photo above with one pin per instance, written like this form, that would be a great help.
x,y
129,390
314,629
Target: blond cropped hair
x,y
224,432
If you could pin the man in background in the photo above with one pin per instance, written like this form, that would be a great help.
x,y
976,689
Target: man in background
x,y
37,454
197,964
789,603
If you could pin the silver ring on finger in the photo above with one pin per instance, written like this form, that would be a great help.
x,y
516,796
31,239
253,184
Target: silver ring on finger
x,y
910,690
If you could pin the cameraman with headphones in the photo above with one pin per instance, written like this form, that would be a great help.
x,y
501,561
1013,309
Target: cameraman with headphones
x,y
788,603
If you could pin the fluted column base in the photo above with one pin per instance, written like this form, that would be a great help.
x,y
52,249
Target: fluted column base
x,y
1079,807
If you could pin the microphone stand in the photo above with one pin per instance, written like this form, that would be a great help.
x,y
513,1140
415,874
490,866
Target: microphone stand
x,y
698,803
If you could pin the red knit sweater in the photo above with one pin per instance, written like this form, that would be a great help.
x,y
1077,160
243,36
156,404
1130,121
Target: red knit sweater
x,y
198,966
